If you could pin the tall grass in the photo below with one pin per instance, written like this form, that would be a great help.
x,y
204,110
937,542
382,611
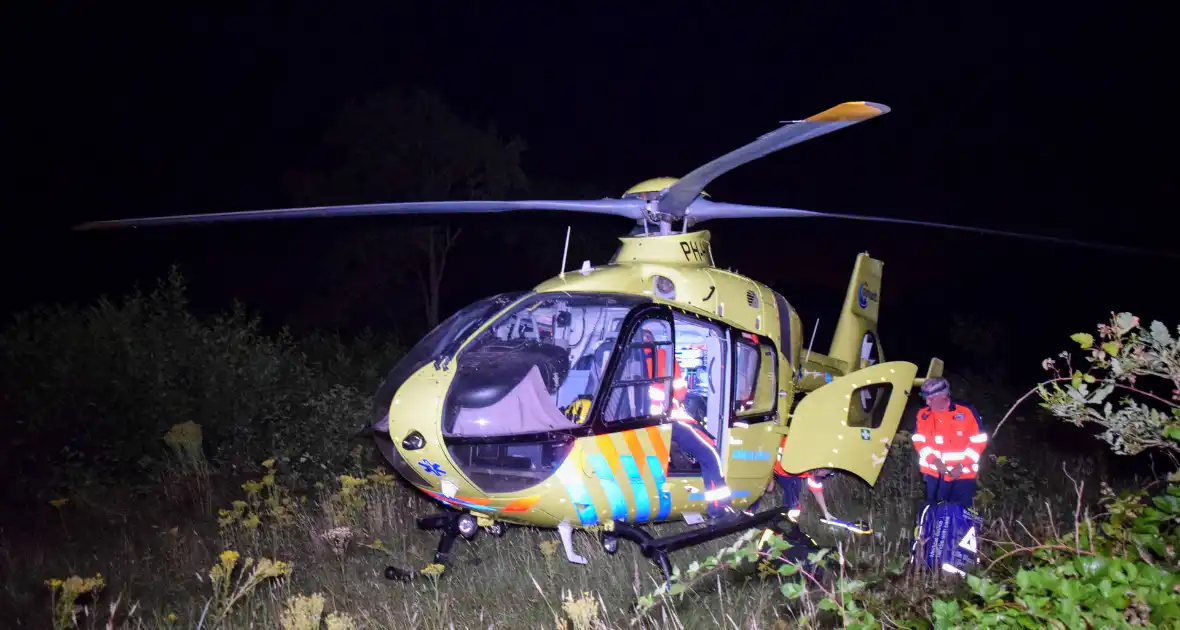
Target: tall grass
x,y
148,444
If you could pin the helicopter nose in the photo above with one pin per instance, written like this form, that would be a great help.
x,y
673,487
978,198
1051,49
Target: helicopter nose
x,y
390,452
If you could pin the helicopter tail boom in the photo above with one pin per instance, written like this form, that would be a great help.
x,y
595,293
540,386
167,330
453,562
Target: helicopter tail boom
x,y
855,341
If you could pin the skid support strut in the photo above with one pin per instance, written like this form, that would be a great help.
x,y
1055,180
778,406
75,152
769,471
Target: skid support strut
x,y
451,525
657,549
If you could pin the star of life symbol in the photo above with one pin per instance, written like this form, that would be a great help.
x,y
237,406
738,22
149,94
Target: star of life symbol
x,y
431,467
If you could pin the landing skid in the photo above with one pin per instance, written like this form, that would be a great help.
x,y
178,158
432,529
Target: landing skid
x,y
657,549
451,525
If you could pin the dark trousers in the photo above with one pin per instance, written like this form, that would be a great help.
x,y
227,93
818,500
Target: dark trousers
x,y
960,491
792,491
697,444
792,488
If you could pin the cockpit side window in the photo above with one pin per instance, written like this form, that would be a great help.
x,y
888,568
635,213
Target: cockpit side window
x,y
670,370
644,373
537,367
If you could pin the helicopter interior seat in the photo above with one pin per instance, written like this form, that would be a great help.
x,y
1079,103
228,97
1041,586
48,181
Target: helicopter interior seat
x,y
586,374
527,408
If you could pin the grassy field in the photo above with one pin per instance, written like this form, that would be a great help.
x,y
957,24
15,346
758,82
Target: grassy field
x,y
171,481
154,547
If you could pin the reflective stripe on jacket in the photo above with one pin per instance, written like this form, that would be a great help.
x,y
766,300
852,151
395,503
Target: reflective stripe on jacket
x,y
655,370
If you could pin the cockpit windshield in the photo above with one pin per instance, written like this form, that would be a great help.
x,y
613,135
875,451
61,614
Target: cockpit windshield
x,y
445,339
441,342
537,367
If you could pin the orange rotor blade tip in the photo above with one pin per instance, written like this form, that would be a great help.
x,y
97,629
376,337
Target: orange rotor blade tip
x,y
850,111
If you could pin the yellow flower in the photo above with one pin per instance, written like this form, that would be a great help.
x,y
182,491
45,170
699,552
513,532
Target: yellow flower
x,y
53,583
228,559
269,463
59,502
171,616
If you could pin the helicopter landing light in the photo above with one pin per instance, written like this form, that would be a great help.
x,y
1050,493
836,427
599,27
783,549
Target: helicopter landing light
x,y
413,441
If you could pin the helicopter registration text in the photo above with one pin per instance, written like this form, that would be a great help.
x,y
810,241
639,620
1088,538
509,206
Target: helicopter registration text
x,y
695,251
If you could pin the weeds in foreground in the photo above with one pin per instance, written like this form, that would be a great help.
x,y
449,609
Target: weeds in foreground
x,y
335,523
337,541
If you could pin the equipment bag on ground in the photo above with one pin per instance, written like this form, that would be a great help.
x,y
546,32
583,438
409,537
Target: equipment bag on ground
x,y
946,537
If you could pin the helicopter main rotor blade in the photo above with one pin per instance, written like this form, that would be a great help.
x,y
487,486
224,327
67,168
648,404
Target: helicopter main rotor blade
x,y
629,208
687,188
704,210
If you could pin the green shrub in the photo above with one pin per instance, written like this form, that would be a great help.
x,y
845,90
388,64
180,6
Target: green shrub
x,y
91,392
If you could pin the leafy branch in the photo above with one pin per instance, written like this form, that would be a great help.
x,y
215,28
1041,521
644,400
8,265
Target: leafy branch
x,y
1125,357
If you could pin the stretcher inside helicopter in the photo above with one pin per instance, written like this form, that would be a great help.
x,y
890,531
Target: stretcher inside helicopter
x,y
541,374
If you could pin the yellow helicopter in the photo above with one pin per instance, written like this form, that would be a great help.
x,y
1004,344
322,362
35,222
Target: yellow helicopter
x,y
558,407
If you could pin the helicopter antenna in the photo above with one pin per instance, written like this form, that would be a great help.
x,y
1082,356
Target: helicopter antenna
x,y
811,343
565,251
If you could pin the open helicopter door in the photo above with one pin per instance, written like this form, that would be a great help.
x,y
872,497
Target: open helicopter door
x,y
717,416
850,422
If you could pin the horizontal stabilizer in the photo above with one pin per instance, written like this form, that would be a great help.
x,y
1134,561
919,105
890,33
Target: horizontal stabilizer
x,y
934,371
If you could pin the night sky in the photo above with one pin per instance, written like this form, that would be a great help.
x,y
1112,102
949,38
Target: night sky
x,y
1049,120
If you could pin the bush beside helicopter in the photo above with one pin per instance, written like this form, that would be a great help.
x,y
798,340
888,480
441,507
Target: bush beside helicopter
x,y
523,408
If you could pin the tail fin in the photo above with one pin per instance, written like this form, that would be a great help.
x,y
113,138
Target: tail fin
x,y
855,341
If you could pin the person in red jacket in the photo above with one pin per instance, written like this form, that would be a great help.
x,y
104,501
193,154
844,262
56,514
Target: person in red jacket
x,y
792,487
950,440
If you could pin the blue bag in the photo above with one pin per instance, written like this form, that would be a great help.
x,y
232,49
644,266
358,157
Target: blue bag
x,y
947,537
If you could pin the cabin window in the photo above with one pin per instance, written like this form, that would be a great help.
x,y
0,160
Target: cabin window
x,y
755,371
870,402
537,368
701,353
700,389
